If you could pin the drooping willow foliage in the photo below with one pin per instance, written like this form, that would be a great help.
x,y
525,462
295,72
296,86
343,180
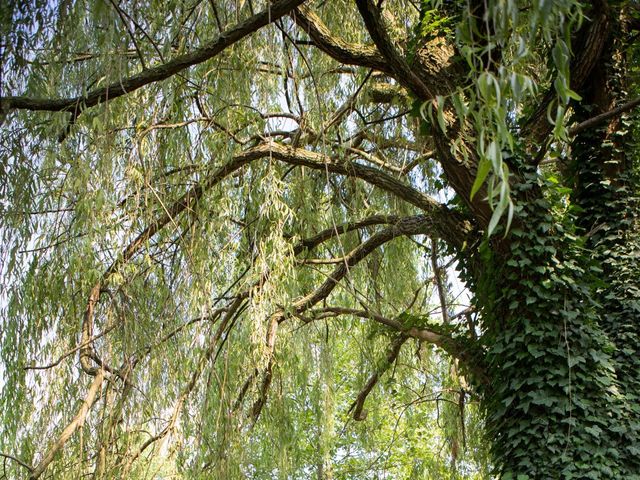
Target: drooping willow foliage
x,y
230,230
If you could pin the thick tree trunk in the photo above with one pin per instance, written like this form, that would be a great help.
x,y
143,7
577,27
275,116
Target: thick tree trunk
x,y
563,322
556,406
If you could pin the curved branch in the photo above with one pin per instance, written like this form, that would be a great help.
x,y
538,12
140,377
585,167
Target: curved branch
x,y
303,245
70,352
118,88
414,225
447,224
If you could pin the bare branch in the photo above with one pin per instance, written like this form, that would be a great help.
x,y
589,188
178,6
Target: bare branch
x,y
17,460
614,112
389,322
322,261
375,160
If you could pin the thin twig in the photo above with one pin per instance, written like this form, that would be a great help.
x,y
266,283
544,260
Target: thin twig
x,y
17,460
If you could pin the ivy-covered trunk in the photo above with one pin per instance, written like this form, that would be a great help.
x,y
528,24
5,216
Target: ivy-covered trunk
x,y
557,406
563,296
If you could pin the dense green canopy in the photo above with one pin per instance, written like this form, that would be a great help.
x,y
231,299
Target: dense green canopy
x,y
289,239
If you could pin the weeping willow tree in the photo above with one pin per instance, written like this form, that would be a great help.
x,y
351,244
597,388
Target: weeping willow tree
x,y
319,239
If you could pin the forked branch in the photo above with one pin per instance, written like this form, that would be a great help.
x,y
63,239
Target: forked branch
x,y
469,353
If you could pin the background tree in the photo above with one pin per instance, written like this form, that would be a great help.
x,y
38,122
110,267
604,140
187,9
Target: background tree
x,y
230,230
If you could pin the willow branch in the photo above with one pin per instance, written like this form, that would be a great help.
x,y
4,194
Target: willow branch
x,y
189,387
68,353
344,110
303,245
276,10
435,71
267,375
111,420
211,317
375,160
443,223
